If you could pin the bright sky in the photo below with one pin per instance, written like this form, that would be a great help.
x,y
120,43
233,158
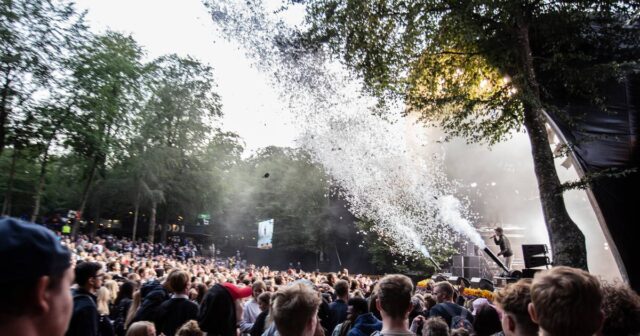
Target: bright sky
x,y
251,107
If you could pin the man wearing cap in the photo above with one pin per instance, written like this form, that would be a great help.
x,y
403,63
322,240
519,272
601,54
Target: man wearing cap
x,y
221,309
36,276
89,277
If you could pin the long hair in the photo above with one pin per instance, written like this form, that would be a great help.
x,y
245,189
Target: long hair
x,y
103,298
135,304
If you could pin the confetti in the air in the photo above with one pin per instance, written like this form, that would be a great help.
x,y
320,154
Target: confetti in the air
x,y
378,162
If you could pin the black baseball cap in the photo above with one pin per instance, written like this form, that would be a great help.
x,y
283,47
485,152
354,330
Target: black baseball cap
x,y
29,251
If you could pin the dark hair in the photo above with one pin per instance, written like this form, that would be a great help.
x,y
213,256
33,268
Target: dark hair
x,y
86,270
342,288
621,306
125,292
202,290
487,321
360,305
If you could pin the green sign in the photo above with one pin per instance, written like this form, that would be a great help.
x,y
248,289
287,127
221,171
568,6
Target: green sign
x,y
204,216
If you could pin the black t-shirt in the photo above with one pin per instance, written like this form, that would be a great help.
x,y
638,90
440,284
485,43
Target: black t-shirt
x,y
173,313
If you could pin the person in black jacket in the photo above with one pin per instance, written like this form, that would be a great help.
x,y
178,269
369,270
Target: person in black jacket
x,y
174,312
505,246
122,304
84,321
220,309
152,295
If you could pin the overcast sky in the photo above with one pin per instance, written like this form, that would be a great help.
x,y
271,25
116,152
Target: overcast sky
x,y
251,107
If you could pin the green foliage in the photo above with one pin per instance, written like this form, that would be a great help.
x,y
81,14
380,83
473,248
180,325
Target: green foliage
x,y
459,64
387,258
282,184
34,38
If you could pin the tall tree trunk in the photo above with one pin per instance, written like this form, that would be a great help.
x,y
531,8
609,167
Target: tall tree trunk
x,y
6,204
40,188
152,221
136,211
85,196
567,241
4,108
96,222
165,224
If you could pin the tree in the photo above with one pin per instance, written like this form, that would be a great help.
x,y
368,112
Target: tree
x,y
178,120
34,36
482,69
105,74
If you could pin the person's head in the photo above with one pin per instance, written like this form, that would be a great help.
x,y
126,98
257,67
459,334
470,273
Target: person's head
x,y
621,307
394,296
435,326
190,328
178,282
141,328
294,310
36,279
513,300
566,301
125,291
499,231
486,321
459,332
356,307
331,279
443,291
258,288
89,275
429,302
264,301
342,289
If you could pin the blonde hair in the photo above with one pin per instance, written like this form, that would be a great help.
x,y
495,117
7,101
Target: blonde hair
x,y
113,288
293,307
190,328
567,301
103,297
140,328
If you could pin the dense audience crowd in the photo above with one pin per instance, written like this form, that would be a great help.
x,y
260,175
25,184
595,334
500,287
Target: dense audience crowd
x,y
120,287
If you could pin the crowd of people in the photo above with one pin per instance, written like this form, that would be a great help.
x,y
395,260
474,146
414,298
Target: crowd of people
x,y
56,285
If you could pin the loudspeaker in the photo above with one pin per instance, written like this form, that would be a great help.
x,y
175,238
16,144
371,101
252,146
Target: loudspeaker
x,y
471,272
535,255
457,271
457,260
472,261
482,283
534,249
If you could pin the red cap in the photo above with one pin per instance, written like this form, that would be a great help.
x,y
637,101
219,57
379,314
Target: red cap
x,y
238,292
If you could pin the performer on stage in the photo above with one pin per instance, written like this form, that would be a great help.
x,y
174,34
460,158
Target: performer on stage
x,y
505,246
